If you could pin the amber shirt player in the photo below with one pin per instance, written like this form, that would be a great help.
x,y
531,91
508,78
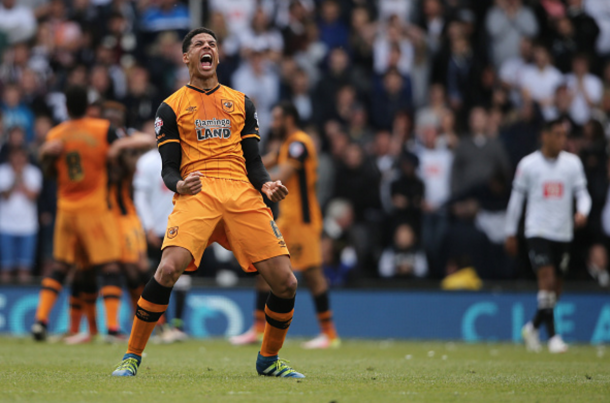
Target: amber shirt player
x,y
207,136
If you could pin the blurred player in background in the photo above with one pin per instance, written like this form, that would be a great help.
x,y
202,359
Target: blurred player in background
x,y
77,152
133,261
300,222
154,204
207,135
549,179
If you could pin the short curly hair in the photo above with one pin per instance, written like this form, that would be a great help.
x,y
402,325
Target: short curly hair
x,y
186,42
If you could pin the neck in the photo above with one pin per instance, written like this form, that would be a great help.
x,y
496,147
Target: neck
x,y
291,130
548,154
204,83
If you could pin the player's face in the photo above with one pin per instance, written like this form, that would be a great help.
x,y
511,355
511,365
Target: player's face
x,y
277,121
555,139
202,56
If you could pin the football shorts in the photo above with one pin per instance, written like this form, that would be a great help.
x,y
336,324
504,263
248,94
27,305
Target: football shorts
x,y
229,212
95,235
304,243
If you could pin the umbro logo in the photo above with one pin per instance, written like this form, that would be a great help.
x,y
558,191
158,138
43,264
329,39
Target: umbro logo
x,y
191,109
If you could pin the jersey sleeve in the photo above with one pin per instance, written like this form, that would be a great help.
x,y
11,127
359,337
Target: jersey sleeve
x,y
580,179
520,181
297,153
251,122
166,125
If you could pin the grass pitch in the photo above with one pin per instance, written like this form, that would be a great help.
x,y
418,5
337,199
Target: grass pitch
x,y
359,371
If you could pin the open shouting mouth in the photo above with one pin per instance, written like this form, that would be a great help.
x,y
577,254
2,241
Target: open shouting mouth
x,y
206,61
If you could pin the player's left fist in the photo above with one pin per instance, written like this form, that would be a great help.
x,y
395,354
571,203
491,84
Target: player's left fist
x,y
275,191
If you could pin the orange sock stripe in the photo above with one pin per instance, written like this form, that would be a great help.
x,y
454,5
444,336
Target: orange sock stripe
x,y
259,315
280,317
52,285
149,306
111,291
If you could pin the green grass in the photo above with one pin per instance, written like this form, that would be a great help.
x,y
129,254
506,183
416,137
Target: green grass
x,y
360,371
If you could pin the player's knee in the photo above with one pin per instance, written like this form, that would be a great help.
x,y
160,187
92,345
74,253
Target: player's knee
x,y
290,287
168,273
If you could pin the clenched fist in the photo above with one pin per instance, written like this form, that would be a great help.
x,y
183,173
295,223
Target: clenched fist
x,y
191,185
275,191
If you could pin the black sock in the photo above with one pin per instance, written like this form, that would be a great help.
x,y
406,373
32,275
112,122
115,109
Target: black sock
x,y
261,300
545,315
322,302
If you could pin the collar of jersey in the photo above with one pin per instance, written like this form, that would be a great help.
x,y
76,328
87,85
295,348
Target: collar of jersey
x,y
206,92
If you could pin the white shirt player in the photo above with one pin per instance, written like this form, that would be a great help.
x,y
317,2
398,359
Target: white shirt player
x,y
152,198
550,186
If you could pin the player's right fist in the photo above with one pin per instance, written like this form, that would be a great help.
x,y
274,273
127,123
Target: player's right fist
x,y
191,185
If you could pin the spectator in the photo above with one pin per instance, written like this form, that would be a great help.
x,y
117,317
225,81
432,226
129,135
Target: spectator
x,y
392,49
257,78
506,23
477,156
16,113
540,80
433,21
33,93
301,96
433,112
563,43
295,35
237,13
333,31
407,193
20,184
403,259
339,243
357,181
435,172
336,77
261,35
166,15
393,97
520,138
17,22
362,35
399,9
142,98
585,27
511,71
586,90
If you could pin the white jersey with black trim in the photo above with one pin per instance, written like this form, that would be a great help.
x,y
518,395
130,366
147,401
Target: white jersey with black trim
x,y
550,186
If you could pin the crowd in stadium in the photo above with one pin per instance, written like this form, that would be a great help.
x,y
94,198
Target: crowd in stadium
x,y
421,111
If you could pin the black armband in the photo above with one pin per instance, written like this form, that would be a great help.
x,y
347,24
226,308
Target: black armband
x,y
171,156
257,174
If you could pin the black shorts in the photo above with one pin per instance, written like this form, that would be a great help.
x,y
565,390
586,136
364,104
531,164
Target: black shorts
x,y
543,252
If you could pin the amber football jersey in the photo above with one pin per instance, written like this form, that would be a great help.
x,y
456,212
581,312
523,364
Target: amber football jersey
x,y
209,125
82,177
301,204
